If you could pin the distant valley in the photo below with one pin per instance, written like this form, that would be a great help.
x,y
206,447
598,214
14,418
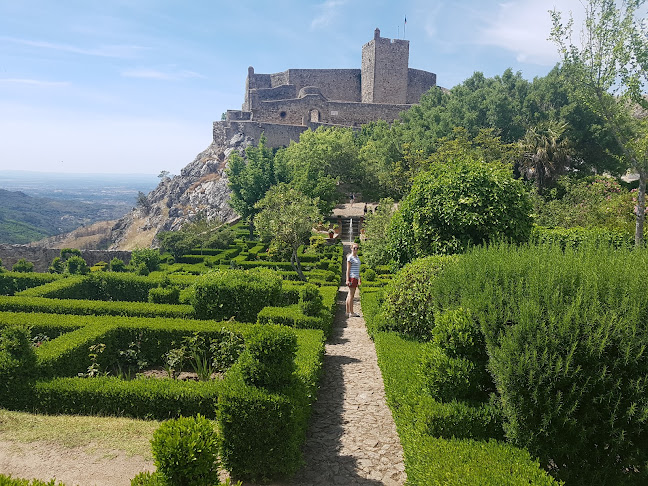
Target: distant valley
x,y
35,205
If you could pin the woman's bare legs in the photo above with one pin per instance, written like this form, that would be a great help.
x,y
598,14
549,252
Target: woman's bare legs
x,y
349,301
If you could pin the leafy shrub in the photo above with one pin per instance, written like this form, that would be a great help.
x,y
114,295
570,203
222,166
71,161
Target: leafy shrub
x,y
13,282
458,204
57,266
446,378
374,249
186,451
141,398
420,419
236,293
141,269
86,307
458,462
574,237
269,357
409,305
23,266
17,364
69,252
310,300
458,419
226,351
117,265
164,295
369,275
150,257
147,478
261,436
76,265
565,332
460,340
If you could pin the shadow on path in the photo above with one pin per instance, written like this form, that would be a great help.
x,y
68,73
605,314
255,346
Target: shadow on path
x,y
325,462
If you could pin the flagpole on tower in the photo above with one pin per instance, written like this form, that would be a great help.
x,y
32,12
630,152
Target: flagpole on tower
x,y
404,26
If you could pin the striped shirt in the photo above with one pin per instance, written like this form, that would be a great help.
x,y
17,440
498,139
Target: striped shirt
x,y
354,262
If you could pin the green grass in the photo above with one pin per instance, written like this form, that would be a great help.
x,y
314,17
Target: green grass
x,y
73,431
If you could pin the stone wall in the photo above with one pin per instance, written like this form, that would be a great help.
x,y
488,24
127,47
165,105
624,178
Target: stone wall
x,y
42,257
278,135
335,84
418,83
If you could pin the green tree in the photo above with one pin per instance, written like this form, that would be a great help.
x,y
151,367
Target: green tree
x,y
479,102
142,202
608,71
546,153
591,202
322,160
457,204
76,265
287,217
148,257
249,179
374,249
23,266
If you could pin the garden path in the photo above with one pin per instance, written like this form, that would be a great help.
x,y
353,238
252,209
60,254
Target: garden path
x,y
352,437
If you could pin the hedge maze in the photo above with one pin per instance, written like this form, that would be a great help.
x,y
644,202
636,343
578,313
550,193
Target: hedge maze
x,y
248,334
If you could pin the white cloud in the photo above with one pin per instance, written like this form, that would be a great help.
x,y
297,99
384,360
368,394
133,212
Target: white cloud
x,y
523,27
161,75
329,11
115,50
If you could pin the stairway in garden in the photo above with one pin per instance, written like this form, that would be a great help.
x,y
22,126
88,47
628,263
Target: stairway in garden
x,y
352,438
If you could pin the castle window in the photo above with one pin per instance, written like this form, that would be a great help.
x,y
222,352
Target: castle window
x,y
282,114
314,116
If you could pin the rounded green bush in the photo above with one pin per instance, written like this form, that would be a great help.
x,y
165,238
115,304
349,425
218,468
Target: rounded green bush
x,y
369,275
459,204
408,305
446,378
186,451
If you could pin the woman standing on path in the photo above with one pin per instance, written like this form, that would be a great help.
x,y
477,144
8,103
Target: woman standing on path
x,y
352,278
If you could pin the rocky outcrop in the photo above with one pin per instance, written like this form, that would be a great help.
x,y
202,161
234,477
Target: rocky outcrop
x,y
201,187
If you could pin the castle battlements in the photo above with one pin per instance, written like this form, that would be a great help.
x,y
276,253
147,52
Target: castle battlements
x,y
282,105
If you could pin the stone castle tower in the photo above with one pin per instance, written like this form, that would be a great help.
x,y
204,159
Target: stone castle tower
x,y
384,71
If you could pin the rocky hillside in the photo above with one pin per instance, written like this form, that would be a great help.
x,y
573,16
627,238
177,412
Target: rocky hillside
x,y
200,187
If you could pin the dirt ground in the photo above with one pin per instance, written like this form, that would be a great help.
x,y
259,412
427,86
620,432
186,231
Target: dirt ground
x,y
81,466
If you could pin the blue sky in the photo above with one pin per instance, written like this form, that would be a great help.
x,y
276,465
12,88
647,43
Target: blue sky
x,y
133,86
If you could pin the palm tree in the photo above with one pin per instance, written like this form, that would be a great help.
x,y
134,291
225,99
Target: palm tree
x,y
546,152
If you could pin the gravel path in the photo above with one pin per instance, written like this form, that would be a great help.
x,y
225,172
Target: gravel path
x,y
352,438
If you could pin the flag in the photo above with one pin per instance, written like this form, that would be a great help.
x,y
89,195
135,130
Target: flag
x,y
405,20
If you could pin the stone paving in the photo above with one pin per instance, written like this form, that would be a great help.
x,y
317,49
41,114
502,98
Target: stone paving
x,y
352,438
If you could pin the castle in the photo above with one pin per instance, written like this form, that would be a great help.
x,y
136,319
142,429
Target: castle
x,y
283,105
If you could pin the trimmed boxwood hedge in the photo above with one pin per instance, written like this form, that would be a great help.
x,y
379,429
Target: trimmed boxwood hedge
x,y
12,282
143,398
236,293
444,443
89,307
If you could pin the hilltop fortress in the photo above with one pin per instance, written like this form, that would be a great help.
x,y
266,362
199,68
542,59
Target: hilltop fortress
x,y
283,105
